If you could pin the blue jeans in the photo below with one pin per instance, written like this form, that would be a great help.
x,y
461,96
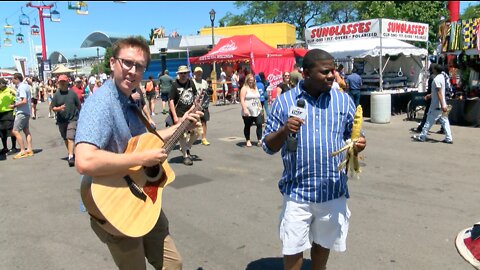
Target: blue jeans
x,y
433,115
355,94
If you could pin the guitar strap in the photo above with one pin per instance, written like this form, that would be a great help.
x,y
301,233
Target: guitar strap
x,y
143,119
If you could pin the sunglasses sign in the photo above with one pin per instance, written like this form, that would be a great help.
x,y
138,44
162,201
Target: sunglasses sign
x,y
367,29
404,30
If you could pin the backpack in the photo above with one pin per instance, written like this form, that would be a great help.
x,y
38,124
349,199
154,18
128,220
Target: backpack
x,y
149,86
449,93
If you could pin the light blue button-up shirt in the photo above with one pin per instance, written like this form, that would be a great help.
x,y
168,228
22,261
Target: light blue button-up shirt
x,y
108,120
310,174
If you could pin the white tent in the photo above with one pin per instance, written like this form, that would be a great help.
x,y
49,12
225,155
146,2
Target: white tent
x,y
398,56
369,47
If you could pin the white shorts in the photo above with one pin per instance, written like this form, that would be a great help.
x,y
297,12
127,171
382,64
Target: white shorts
x,y
326,224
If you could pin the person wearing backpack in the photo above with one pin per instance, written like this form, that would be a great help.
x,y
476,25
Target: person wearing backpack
x,y
150,86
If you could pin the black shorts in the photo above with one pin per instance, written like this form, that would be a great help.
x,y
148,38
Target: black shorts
x,y
206,115
164,96
68,130
151,95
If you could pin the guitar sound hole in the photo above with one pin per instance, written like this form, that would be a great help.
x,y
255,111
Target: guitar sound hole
x,y
153,171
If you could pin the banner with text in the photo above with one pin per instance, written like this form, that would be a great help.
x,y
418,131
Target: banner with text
x,y
344,31
404,30
273,68
401,30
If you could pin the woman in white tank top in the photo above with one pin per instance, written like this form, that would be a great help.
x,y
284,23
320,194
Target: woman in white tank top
x,y
251,109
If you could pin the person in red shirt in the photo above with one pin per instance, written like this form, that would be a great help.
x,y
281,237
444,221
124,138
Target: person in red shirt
x,y
79,90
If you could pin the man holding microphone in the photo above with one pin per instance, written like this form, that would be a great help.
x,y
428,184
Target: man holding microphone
x,y
307,124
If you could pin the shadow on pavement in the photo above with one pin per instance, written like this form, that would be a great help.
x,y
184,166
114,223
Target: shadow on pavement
x,y
273,264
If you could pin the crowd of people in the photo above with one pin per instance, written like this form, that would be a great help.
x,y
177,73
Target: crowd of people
x,y
97,117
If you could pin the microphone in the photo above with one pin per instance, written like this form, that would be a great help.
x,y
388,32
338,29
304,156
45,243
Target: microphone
x,y
298,111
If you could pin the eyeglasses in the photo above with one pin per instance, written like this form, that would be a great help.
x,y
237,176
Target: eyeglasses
x,y
183,73
128,65
286,75
327,71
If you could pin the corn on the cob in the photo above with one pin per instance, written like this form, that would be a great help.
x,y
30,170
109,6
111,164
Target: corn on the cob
x,y
351,160
357,123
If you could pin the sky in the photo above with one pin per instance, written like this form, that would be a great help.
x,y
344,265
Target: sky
x,y
128,18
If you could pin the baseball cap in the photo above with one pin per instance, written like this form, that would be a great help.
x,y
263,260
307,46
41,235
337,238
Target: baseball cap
x,y
63,78
78,79
198,69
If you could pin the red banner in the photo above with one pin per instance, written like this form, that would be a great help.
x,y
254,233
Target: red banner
x,y
274,68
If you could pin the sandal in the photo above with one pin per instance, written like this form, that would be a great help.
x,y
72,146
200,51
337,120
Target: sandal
x,y
20,155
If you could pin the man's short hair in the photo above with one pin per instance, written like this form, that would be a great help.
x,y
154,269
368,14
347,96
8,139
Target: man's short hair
x,y
436,67
313,56
18,76
129,43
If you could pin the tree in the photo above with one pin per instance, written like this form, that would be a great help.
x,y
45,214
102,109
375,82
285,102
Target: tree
x,y
106,60
471,12
297,13
303,14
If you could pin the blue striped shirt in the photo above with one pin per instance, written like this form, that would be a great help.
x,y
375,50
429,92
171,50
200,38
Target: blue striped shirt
x,y
310,174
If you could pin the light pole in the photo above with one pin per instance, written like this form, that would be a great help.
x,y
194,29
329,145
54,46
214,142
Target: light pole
x,y
163,59
75,62
98,62
213,75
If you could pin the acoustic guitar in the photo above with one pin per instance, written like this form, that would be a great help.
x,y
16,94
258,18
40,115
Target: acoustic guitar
x,y
129,204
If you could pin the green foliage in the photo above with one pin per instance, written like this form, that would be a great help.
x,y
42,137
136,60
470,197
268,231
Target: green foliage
x,y
342,11
298,13
303,14
150,36
471,12
106,60
98,68
428,12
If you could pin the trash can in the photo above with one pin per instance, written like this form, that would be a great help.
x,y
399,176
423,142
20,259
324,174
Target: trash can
x,y
380,107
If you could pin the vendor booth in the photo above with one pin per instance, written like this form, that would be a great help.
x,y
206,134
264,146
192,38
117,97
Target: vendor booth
x,y
459,50
359,45
248,48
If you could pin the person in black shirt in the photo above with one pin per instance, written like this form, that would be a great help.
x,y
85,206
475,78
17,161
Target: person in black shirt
x,y
180,100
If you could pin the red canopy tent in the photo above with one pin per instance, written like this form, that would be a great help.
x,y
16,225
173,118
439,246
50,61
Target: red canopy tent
x,y
238,48
262,57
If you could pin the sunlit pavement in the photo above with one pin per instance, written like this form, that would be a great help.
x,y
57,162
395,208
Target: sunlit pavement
x,y
407,207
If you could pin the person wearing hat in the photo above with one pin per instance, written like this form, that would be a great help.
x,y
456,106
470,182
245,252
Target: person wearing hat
x,y
79,90
6,113
22,116
165,83
66,106
180,100
202,84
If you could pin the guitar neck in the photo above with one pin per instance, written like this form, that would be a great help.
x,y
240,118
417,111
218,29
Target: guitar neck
x,y
170,144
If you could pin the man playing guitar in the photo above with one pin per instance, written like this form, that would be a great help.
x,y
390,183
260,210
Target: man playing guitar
x,y
107,122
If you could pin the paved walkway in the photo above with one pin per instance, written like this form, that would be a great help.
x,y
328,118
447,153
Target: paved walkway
x,y
407,208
